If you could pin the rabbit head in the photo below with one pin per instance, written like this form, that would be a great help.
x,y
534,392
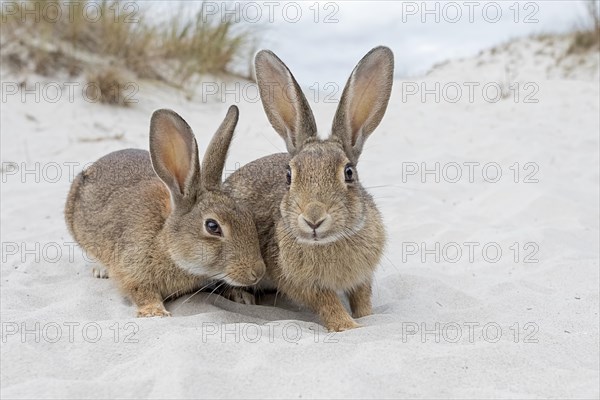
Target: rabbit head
x,y
207,232
325,200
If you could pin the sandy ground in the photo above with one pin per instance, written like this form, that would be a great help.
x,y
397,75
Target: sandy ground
x,y
488,288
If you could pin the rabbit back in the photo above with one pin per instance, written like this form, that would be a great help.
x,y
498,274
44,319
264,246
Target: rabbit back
x,y
116,209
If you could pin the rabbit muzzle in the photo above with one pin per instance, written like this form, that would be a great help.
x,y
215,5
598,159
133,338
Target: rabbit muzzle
x,y
314,221
245,275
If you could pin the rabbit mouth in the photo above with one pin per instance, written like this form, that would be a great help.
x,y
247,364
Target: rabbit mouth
x,y
308,232
245,275
231,281
317,238
312,227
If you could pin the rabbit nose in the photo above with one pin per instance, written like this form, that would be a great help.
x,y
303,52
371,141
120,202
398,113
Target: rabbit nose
x,y
314,214
314,225
255,274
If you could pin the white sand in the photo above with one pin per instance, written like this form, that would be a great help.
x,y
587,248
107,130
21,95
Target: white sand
x,y
215,348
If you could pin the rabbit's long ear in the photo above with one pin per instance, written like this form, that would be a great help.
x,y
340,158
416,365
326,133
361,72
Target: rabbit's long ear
x,y
174,154
216,153
364,100
283,101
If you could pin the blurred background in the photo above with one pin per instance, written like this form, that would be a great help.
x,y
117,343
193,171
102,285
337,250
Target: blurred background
x,y
179,41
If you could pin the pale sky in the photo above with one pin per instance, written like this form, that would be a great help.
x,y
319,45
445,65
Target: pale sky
x,y
322,41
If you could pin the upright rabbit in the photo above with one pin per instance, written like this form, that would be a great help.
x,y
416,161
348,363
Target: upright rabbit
x,y
320,230
160,223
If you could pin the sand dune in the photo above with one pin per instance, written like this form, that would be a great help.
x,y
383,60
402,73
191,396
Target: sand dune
x,y
463,321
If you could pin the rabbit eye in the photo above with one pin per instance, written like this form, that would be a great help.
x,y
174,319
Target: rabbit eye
x,y
288,175
349,173
213,227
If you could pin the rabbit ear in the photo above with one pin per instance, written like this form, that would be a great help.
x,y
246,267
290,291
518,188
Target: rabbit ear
x,y
283,101
364,100
174,154
216,153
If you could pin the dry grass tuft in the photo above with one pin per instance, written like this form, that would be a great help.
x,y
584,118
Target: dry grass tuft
x,y
204,44
46,37
111,86
588,38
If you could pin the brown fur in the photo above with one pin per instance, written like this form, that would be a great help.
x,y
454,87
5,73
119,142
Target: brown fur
x,y
142,215
306,263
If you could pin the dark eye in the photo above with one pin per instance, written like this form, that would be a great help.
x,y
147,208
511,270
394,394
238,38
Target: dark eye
x,y
213,227
349,173
288,175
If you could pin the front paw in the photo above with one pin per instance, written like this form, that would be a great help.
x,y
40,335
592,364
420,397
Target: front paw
x,y
341,324
100,272
239,295
153,310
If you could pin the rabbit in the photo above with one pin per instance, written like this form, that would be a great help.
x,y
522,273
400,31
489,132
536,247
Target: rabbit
x,y
320,231
162,225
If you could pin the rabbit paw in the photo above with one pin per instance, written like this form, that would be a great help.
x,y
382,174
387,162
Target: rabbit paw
x,y
239,295
153,310
342,324
100,272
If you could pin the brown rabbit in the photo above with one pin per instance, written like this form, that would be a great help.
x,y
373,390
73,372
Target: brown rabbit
x,y
160,223
320,231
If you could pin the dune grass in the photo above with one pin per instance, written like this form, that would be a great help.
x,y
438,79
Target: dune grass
x,y
587,37
47,37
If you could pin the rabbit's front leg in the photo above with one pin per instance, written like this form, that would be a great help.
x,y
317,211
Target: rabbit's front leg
x,y
360,300
327,305
149,302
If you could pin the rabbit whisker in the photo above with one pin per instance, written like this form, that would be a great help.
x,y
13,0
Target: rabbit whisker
x,y
175,293
218,286
195,293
